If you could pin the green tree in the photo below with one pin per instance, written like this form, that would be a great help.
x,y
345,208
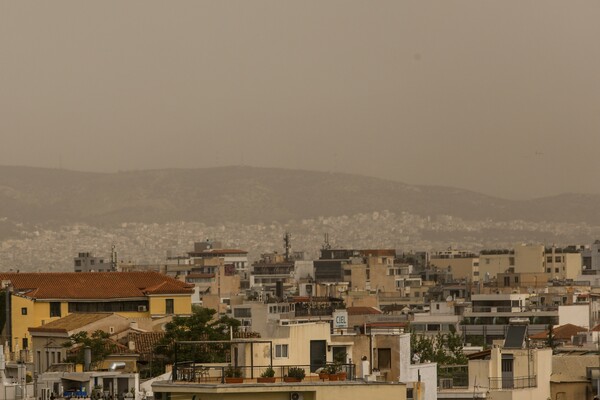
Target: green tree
x,y
550,339
99,343
200,326
454,344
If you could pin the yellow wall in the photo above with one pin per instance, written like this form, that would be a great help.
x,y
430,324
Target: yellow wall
x,y
323,391
38,313
181,304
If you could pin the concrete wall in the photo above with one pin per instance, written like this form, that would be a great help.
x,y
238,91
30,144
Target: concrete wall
x,y
578,314
282,391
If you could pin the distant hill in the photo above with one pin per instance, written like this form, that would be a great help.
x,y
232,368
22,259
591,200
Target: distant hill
x,y
251,195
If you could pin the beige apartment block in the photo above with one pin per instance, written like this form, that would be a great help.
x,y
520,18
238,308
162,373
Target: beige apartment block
x,y
462,264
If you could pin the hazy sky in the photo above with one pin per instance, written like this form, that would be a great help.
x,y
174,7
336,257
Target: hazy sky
x,y
501,97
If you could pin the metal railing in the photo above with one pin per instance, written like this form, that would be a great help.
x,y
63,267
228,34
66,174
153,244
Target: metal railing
x,y
213,374
521,382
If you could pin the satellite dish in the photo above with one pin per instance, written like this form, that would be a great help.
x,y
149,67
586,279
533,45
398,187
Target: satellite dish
x,y
449,298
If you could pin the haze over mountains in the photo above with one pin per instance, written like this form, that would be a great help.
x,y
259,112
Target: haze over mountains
x,y
47,216
251,195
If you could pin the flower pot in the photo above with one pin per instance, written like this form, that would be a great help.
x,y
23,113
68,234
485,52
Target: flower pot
x,y
333,377
289,379
323,376
342,376
234,380
270,379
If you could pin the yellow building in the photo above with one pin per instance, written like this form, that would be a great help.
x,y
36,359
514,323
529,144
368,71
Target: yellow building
x,y
462,264
35,299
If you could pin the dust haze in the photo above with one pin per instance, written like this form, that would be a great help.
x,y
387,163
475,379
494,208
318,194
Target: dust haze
x,y
497,97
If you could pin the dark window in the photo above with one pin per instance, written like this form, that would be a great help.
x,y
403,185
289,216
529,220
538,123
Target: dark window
x,y
507,365
25,343
556,270
507,281
24,311
516,279
242,313
169,306
384,358
78,263
55,309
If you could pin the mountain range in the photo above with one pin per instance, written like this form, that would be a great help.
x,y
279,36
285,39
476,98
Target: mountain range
x,y
253,195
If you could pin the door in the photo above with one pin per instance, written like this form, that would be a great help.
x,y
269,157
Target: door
x,y
318,354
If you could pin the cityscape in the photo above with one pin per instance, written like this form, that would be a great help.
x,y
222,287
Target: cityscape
x,y
299,200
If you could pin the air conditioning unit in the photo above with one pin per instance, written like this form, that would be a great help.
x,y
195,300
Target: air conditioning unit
x,y
142,308
296,396
446,383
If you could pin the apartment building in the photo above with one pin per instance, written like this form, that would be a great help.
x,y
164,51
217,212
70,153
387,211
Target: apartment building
x,y
463,265
34,299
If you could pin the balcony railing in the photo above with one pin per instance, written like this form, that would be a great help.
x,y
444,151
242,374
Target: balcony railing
x,y
215,374
521,382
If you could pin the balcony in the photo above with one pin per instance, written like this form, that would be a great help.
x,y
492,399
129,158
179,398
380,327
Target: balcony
x,y
522,382
190,372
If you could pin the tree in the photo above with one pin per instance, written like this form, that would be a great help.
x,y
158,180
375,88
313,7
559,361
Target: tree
x,y
200,326
99,343
550,340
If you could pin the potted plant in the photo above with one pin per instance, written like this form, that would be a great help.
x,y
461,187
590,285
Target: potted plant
x,y
233,375
267,376
323,372
332,371
340,360
295,374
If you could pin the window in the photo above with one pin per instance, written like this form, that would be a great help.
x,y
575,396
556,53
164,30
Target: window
x,y
242,313
384,358
507,365
25,343
169,306
55,309
437,306
516,279
507,281
557,270
78,263
281,350
24,311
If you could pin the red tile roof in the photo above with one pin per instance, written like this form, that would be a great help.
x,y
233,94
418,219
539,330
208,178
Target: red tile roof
x,y
71,322
563,332
144,342
94,285
363,311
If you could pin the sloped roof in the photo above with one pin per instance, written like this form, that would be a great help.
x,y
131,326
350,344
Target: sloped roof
x,y
363,311
94,285
70,322
596,328
144,342
563,332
